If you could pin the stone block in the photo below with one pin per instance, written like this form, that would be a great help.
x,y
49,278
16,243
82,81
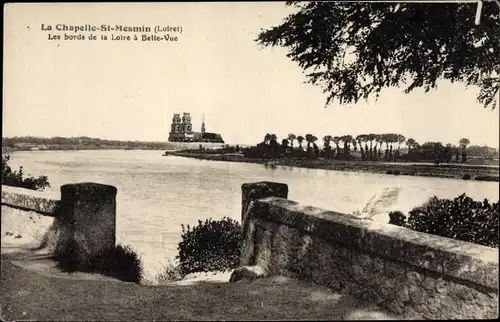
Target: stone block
x,y
88,216
29,200
259,190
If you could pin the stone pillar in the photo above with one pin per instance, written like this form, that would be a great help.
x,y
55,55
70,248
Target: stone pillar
x,y
259,190
88,211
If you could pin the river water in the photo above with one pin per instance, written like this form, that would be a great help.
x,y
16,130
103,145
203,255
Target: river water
x,y
157,194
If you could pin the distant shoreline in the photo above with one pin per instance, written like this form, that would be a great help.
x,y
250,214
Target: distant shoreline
x,y
450,171
80,149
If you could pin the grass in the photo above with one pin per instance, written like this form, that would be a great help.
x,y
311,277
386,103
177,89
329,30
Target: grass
x,y
49,298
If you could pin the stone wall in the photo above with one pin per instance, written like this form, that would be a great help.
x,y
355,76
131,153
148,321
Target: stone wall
x,y
84,216
412,274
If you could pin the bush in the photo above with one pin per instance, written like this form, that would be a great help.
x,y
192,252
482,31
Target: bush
x,y
119,262
397,218
66,256
461,218
466,176
16,178
210,246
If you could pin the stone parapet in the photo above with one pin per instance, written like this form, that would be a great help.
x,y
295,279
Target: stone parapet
x,y
413,274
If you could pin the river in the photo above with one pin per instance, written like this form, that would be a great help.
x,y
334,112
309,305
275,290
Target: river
x,y
157,194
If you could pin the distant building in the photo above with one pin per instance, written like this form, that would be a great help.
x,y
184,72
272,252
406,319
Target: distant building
x,y
181,130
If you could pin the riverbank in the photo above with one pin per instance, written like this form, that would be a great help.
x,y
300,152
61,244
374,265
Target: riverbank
x,y
451,171
79,148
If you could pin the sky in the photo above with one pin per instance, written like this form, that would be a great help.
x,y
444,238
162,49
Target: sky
x,y
129,90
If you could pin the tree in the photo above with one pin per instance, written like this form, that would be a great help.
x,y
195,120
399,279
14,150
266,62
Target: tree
x,y
361,138
274,146
464,142
300,139
354,144
411,143
308,140
448,151
354,50
371,138
17,178
390,139
284,145
311,150
267,138
336,140
378,152
315,146
347,146
328,149
342,143
291,138
401,139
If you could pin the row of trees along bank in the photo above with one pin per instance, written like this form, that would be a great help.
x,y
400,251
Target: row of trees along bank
x,y
368,147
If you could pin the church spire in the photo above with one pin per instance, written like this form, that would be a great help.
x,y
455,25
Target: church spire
x,y
203,124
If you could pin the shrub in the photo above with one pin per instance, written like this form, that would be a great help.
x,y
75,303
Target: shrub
x,y
17,179
461,218
210,246
119,262
466,176
66,256
169,273
397,218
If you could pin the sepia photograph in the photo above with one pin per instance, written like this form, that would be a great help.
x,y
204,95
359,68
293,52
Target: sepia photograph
x,y
239,160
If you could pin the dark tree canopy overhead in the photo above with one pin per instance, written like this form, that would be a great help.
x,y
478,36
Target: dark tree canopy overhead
x,y
354,50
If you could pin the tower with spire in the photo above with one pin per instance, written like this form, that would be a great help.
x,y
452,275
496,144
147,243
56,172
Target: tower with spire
x,y
181,131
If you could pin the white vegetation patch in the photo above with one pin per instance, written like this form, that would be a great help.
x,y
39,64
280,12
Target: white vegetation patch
x,y
213,277
170,274
379,203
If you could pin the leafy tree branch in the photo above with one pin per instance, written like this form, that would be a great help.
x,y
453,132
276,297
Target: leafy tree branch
x,y
354,50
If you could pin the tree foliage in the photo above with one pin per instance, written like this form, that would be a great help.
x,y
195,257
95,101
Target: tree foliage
x,y
17,178
78,143
354,50
460,218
